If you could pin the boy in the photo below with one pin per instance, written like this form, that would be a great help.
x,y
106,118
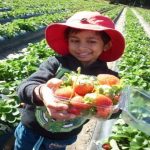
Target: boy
x,y
87,40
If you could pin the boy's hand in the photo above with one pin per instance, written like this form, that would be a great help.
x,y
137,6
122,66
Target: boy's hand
x,y
56,109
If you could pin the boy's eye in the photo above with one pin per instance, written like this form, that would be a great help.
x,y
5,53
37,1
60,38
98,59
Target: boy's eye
x,y
92,41
74,40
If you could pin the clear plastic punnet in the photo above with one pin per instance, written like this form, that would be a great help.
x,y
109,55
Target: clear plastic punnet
x,y
136,108
86,96
100,112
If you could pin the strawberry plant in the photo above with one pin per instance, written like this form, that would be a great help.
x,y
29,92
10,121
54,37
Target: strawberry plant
x,y
9,114
134,65
127,137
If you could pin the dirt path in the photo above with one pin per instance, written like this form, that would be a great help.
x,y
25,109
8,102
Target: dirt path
x,y
143,23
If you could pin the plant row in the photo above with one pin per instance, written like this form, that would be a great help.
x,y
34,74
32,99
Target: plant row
x,y
46,9
134,65
28,3
145,13
21,26
113,14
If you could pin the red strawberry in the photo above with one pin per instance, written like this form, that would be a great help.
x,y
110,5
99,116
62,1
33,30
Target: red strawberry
x,y
74,110
83,84
102,100
83,88
103,112
64,92
107,79
103,105
106,146
79,103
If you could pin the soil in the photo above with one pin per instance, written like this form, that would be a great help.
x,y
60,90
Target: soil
x,y
85,136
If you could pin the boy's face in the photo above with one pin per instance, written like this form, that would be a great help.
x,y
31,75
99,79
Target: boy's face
x,y
86,46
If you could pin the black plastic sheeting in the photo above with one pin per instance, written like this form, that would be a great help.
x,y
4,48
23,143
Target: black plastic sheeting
x,y
5,9
5,20
21,40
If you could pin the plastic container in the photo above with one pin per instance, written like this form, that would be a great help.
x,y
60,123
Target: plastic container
x,y
104,113
101,107
136,108
45,120
52,125
99,112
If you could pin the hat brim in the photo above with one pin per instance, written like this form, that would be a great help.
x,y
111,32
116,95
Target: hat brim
x,y
55,38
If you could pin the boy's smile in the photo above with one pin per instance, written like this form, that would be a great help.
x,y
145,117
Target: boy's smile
x,y
86,46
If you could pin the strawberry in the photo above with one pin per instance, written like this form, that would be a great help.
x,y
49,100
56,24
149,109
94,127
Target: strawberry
x,y
103,112
83,85
107,79
64,92
103,105
83,89
79,103
90,98
106,146
74,110
97,99
102,100
54,83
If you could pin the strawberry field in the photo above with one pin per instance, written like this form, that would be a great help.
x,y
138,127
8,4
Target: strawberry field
x,y
19,21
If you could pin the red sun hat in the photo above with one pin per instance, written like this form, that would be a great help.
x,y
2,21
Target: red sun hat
x,y
86,20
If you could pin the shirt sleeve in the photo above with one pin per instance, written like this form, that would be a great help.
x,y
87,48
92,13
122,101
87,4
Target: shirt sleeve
x,y
45,72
